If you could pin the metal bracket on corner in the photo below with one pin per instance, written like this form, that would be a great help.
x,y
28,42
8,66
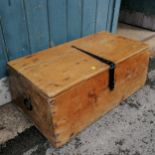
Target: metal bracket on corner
x,y
111,64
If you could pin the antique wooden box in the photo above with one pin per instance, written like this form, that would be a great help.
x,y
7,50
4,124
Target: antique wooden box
x,y
66,88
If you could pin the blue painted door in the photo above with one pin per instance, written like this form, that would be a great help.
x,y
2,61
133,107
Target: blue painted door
x,y
28,26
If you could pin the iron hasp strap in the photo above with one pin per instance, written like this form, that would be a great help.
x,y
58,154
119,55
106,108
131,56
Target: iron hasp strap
x,y
103,60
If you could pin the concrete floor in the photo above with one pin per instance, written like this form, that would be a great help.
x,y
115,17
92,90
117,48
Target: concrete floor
x,y
137,33
127,130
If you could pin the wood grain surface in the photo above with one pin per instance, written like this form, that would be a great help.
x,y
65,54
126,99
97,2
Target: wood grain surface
x,y
69,90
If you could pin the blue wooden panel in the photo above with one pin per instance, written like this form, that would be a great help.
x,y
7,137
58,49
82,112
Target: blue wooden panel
x,y
3,58
115,15
58,21
32,25
2,63
89,17
36,13
102,15
74,15
110,15
14,24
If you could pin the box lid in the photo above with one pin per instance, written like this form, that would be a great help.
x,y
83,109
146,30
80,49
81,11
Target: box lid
x,y
56,69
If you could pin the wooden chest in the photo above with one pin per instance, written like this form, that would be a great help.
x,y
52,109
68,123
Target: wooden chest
x,y
66,88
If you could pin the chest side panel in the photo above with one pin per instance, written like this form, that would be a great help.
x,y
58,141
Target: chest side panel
x,y
29,100
81,105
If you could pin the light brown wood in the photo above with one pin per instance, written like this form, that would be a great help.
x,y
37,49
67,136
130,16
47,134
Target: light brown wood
x,y
49,69
69,90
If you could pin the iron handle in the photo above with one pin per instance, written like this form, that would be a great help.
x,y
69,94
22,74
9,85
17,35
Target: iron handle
x,y
28,104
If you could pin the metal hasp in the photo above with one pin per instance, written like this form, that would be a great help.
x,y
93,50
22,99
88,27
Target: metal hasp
x,y
103,60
